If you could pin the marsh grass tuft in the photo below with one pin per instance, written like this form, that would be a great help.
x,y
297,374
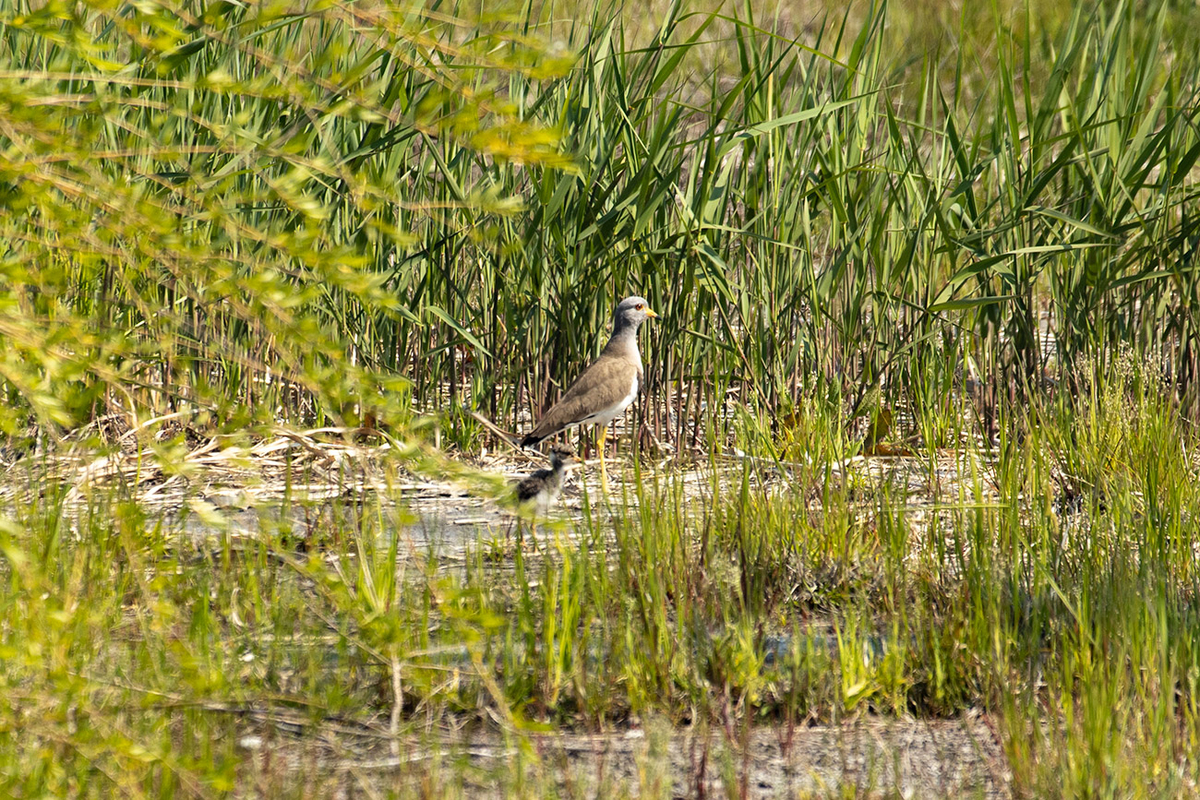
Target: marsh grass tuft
x,y
1066,618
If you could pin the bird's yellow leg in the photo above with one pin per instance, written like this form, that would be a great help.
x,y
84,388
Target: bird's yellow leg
x,y
603,472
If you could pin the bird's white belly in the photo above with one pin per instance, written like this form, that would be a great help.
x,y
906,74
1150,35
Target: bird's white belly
x,y
607,415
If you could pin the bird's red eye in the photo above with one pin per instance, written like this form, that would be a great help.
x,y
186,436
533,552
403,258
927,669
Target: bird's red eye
x,y
639,306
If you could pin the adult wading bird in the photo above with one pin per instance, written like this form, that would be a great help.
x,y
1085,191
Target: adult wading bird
x,y
606,387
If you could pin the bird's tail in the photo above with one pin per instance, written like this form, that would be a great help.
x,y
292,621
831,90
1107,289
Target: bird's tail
x,y
511,439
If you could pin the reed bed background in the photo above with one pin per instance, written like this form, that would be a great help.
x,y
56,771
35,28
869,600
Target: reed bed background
x,y
976,227
274,211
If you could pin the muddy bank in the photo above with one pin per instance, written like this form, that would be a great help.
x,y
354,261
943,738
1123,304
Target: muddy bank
x,y
866,757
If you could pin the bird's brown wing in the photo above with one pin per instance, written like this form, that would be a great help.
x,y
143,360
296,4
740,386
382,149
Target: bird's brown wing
x,y
601,386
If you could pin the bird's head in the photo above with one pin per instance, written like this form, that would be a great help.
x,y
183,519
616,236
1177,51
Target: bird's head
x,y
633,311
561,454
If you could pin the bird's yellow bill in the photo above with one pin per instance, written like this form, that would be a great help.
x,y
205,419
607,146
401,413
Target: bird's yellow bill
x,y
650,313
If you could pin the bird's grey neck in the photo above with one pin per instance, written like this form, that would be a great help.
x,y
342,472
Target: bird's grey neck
x,y
624,335
624,327
624,343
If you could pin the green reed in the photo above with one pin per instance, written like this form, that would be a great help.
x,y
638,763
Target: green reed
x,y
268,210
